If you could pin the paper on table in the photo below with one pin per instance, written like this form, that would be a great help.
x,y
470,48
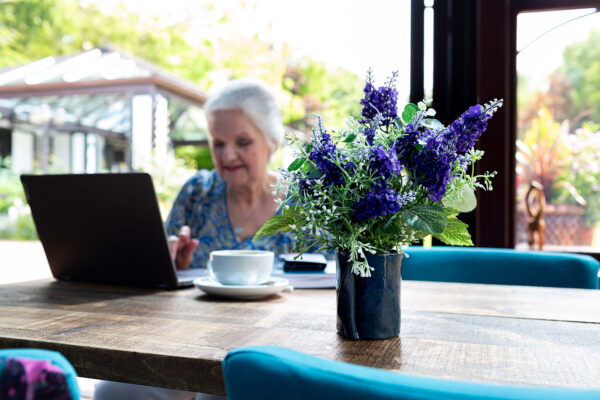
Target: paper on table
x,y
309,280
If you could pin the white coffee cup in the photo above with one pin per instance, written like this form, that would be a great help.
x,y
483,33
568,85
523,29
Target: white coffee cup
x,y
241,267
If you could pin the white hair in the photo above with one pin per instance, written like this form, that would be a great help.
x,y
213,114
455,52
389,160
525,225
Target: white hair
x,y
256,100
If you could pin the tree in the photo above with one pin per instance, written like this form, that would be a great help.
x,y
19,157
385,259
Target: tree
x,y
556,100
582,66
332,94
33,29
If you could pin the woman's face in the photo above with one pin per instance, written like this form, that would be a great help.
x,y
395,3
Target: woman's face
x,y
239,149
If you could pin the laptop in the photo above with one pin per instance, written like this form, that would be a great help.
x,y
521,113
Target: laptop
x,y
103,228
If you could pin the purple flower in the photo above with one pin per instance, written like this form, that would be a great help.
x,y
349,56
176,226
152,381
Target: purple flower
x,y
369,132
428,156
380,101
468,128
434,166
406,145
381,201
324,152
384,163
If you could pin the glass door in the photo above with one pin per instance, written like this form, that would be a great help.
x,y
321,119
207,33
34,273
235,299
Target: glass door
x,y
558,130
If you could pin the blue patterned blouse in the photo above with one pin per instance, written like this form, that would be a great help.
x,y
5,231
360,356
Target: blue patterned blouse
x,y
201,204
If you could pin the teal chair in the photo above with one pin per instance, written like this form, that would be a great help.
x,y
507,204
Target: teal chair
x,y
500,266
274,373
51,374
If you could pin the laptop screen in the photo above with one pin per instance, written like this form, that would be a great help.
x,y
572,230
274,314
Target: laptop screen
x,y
101,228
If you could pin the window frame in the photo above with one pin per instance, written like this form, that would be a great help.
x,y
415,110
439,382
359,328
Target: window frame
x,y
468,34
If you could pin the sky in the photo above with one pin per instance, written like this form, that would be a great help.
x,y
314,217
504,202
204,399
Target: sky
x,y
357,34
544,55
354,34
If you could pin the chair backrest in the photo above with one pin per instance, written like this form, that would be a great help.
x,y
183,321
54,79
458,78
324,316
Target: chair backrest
x,y
37,375
270,373
500,266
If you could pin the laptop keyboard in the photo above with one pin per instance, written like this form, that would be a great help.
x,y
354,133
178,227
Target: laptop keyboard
x,y
188,275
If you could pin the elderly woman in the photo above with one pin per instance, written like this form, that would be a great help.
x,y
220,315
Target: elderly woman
x,y
223,209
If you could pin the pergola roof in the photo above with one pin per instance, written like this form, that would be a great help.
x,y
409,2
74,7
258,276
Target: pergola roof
x,y
91,91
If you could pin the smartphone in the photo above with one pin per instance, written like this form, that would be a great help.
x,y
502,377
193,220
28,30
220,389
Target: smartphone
x,y
307,262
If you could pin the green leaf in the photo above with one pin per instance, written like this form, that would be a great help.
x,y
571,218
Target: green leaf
x,y
393,227
309,147
456,233
463,200
292,212
314,173
410,110
421,235
350,138
297,163
398,123
278,223
426,218
450,212
432,123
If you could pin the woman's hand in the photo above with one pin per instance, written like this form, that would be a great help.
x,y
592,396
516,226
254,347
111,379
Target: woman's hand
x,y
182,248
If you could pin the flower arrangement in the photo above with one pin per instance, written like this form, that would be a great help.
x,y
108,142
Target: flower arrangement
x,y
384,181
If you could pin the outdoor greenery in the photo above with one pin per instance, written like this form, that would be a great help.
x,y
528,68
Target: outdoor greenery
x,y
558,126
33,29
582,68
195,157
566,164
559,131
168,178
10,187
584,172
573,92
15,218
16,222
543,154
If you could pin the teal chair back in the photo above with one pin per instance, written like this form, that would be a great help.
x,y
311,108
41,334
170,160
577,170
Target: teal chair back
x,y
274,373
51,375
500,266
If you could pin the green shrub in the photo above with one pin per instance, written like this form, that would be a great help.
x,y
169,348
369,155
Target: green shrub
x,y
196,157
584,172
168,178
10,187
22,228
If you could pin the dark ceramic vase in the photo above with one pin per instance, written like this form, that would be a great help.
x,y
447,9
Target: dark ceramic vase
x,y
369,308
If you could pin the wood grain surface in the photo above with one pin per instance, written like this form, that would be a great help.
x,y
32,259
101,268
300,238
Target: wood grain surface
x,y
177,339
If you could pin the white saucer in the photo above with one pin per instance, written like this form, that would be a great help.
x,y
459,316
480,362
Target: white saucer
x,y
210,286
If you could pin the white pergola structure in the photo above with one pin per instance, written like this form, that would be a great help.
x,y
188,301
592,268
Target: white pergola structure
x,y
98,110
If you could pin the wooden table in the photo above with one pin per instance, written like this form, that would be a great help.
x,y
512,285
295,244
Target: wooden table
x,y
520,335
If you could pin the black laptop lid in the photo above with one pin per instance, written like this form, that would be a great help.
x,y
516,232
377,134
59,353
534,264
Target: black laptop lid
x,y
102,228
